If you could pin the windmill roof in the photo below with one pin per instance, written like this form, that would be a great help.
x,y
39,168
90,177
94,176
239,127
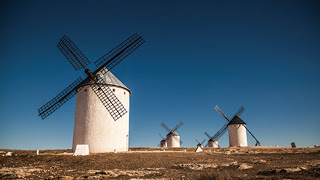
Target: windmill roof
x,y
173,133
236,120
111,79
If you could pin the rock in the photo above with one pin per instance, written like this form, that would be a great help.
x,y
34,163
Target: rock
x,y
8,154
244,166
233,163
303,168
81,150
262,161
227,153
66,177
225,164
290,170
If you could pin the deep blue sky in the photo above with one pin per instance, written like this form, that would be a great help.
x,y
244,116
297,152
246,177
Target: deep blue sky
x,y
264,55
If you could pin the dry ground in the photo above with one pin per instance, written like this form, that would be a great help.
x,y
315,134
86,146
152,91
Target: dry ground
x,y
173,163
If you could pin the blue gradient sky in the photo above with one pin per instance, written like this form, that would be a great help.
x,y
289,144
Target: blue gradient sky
x,y
264,55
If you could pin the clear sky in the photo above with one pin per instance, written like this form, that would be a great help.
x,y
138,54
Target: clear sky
x,y
264,55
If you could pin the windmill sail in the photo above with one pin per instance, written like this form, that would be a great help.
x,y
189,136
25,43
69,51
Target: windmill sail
x,y
108,99
60,99
72,53
104,64
116,55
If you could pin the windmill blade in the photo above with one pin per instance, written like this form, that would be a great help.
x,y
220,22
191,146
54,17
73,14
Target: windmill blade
x,y
72,53
257,142
221,113
162,137
208,135
239,112
198,141
117,54
108,99
221,132
203,141
165,127
178,126
60,99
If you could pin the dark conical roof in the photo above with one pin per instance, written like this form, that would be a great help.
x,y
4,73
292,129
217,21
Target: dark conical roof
x,y
111,79
236,120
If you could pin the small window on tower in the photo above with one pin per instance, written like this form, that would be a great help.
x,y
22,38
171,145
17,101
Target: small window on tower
x,y
114,90
85,90
124,93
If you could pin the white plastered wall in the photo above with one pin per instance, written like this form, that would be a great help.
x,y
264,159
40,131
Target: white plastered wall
x,y
237,135
95,126
173,141
213,143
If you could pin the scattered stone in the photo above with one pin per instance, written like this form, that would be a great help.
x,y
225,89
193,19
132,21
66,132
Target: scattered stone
x,y
20,172
8,154
244,166
2,152
233,163
81,150
197,166
227,153
98,174
303,168
291,170
66,177
225,164
261,161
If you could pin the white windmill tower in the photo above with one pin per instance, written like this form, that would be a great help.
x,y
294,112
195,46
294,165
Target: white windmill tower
x,y
95,126
199,146
212,142
163,142
237,132
237,129
173,138
102,118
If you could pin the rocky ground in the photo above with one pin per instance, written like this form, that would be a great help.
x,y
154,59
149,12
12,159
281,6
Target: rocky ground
x,y
164,163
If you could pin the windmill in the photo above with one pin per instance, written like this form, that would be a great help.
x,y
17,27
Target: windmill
x,y
163,142
213,140
173,138
102,99
200,144
236,128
